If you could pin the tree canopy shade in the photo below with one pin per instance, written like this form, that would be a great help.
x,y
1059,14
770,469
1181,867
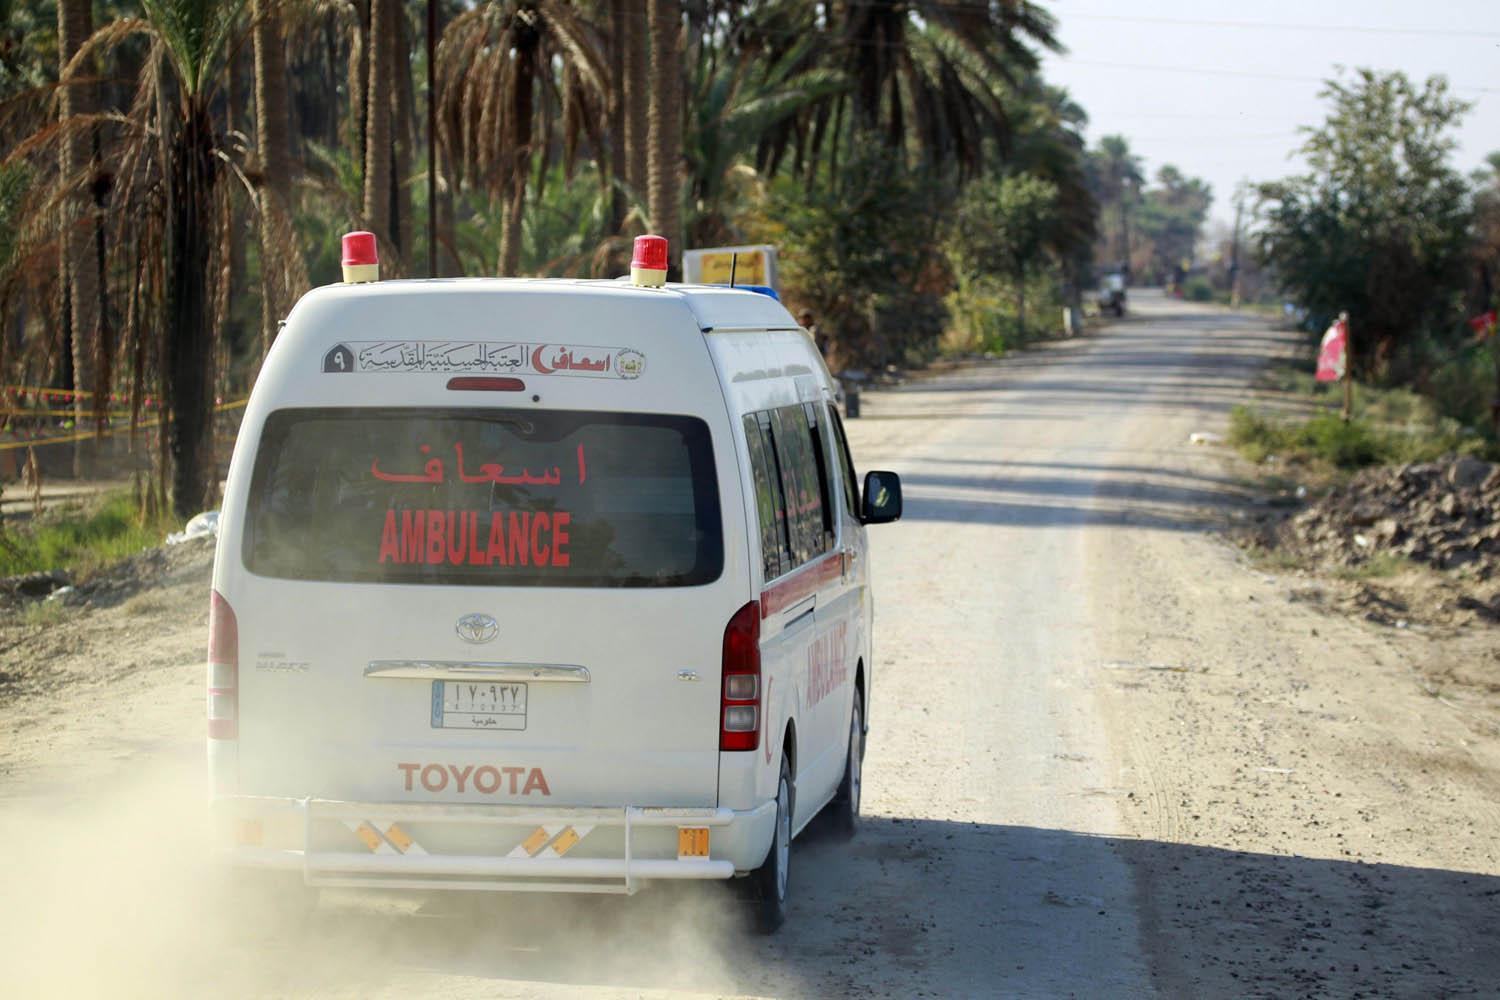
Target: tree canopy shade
x,y
1379,226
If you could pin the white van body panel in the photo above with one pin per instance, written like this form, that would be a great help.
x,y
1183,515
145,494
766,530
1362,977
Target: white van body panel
x,y
336,730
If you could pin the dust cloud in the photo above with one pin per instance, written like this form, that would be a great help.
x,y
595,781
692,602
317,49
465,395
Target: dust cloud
x,y
116,893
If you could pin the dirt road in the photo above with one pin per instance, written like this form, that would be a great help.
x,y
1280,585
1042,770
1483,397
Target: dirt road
x,y
1108,758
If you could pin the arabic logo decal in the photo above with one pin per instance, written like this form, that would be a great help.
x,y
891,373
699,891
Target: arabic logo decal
x,y
340,359
477,628
484,357
630,364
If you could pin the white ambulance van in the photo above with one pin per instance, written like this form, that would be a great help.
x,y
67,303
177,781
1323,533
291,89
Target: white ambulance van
x,y
539,585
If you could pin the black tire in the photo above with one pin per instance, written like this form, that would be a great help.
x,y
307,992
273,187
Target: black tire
x,y
844,810
772,879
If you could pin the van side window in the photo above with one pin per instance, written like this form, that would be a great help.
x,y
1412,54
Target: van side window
x,y
796,454
846,464
821,452
771,510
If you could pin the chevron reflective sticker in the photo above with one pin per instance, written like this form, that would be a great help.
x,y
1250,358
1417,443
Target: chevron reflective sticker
x,y
369,836
532,845
402,840
566,840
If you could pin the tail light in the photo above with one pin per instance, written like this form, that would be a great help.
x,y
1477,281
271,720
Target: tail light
x,y
223,670
739,713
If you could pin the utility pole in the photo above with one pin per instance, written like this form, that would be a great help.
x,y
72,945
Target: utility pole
x,y
1234,247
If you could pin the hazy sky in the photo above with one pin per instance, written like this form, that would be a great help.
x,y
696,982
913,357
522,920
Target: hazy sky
x,y
1220,88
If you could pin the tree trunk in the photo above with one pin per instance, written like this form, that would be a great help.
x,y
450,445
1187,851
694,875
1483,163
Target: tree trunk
x,y
637,99
1021,302
189,312
665,126
274,145
619,14
82,238
448,264
377,151
521,118
403,110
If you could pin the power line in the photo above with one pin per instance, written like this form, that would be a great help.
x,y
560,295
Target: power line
x,y
1276,26
1248,74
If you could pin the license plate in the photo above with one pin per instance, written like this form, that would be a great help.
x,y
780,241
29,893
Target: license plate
x,y
478,705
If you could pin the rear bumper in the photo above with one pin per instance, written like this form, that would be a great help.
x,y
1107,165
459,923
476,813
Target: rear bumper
x,y
512,848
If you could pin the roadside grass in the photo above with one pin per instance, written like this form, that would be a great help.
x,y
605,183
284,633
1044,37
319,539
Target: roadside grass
x,y
1389,426
1378,566
41,613
81,538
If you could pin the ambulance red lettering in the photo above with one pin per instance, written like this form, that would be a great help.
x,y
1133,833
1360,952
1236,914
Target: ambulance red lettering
x,y
518,551
411,536
435,537
456,542
827,666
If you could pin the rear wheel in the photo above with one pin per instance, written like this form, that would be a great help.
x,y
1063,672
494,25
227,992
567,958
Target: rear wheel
x,y
771,878
845,808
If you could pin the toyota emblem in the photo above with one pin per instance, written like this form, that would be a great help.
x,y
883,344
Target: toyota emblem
x,y
477,628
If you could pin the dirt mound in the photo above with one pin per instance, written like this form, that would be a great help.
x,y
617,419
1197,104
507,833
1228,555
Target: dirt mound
x,y
1443,514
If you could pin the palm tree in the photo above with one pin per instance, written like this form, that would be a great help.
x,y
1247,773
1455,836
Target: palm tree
x,y
377,131
495,68
168,162
283,276
82,249
1117,174
931,74
737,101
664,126
635,93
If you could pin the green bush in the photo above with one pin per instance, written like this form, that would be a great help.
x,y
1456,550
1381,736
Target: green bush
x,y
1346,445
1198,290
80,539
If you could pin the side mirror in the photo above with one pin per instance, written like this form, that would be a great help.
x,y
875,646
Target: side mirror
x,y
882,502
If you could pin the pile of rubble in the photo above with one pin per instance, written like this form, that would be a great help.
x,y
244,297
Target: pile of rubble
x,y
1444,514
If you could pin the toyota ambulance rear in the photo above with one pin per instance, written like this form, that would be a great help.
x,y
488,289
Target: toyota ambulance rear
x,y
482,542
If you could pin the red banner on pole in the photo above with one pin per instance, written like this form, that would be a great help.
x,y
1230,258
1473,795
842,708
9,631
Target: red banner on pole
x,y
1333,354
1484,324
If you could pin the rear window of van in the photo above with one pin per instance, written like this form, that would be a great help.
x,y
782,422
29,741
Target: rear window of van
x,y
474,497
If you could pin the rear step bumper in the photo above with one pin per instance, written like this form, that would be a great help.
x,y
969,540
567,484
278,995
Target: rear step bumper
x,y
520,848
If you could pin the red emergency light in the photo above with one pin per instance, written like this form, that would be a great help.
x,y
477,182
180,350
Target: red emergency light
x,y
648,263
361,258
